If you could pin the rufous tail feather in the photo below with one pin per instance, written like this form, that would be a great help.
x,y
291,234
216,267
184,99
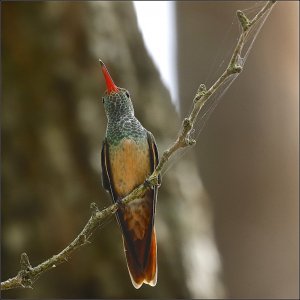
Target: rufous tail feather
x,y
138,273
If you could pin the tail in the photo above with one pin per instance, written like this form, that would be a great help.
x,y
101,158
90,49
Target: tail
x,y
142,269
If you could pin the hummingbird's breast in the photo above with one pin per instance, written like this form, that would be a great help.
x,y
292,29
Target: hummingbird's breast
x,y
130,164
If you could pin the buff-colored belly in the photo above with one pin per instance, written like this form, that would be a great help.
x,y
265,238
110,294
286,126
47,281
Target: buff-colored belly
x,y
130,165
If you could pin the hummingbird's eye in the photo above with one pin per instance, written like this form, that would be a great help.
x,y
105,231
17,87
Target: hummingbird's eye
x,y
127,94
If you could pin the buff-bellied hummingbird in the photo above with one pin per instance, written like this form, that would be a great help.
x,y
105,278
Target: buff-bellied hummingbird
x,y
129,155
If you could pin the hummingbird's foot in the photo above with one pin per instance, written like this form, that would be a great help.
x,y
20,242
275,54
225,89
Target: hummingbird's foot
x,y
152,182
148,184
120,204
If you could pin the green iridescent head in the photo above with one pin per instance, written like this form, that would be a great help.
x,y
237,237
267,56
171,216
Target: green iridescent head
x,y
117,103
116,100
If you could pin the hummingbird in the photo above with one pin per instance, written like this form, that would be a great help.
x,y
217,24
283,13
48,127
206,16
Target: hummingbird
x,y
129,155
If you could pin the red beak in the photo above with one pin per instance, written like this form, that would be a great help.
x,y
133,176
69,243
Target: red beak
x,y
111,87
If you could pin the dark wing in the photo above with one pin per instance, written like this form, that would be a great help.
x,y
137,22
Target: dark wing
x,y
105,168
153,153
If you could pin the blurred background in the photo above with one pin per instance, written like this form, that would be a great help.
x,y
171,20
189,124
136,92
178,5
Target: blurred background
x,y
227,214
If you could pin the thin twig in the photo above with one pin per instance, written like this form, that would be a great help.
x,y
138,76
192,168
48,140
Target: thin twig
x,y
28,274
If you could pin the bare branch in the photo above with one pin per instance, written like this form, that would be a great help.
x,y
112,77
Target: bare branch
x,y
28,274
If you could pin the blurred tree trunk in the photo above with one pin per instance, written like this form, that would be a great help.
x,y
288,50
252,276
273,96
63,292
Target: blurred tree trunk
x,y
52,127
247,154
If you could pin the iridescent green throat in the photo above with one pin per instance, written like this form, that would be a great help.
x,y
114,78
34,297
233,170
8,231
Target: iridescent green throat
x,y
125,127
